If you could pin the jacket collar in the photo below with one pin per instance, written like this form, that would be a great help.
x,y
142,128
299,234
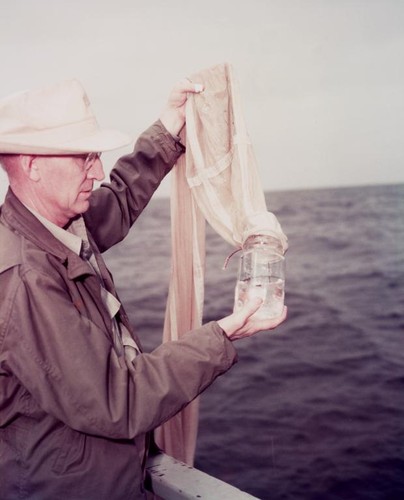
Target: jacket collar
x,y
20,220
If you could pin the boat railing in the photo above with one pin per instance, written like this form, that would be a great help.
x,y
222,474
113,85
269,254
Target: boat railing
x,y
169,479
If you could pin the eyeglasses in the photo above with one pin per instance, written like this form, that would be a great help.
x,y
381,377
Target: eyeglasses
x,y
91,158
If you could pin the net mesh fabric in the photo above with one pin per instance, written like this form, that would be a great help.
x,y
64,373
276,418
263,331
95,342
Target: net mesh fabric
x,y
216,180
221,168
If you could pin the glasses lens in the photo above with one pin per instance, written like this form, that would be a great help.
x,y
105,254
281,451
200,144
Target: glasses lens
x,y
91,158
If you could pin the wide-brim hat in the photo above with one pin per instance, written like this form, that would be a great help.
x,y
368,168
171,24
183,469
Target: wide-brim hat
x,y
54,120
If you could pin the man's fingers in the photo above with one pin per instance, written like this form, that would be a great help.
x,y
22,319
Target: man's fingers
x,y
274,322
187,85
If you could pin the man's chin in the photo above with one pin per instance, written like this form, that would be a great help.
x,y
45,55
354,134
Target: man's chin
x,y
82,206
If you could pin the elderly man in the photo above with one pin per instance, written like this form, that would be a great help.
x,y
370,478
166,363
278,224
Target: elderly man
x,y
78,398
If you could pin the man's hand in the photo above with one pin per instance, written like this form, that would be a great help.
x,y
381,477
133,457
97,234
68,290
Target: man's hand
x,y
173,115
242,324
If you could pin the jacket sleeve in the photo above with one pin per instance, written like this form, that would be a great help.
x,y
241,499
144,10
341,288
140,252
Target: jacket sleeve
x,y
114,207
70,369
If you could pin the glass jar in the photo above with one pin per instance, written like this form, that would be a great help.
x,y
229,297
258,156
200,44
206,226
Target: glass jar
x,y
261,274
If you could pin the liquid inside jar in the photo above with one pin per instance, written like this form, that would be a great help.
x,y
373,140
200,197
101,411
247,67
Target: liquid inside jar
x,y
270,289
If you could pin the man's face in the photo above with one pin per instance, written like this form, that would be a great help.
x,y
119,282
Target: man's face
x,y
65,184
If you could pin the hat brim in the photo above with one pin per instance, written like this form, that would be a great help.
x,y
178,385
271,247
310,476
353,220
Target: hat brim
x,y
99,141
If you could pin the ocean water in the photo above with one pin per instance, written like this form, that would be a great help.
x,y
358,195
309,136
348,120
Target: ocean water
x,y
314,410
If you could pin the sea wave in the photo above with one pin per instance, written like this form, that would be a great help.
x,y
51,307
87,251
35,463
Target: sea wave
x,y
314,410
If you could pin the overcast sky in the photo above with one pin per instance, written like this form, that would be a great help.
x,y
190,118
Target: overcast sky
x,y
322,82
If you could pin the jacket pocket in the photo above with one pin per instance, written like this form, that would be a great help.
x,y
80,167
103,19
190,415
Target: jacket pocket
x,y
71,452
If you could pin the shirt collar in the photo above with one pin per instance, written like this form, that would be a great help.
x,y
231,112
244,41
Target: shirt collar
x,y
72,237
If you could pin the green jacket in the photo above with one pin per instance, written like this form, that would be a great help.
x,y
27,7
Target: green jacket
x,y
74,416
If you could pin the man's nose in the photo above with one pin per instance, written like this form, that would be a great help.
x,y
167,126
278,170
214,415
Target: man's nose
x,y
96,171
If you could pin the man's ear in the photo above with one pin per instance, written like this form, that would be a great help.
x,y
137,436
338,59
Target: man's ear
x,y
30,167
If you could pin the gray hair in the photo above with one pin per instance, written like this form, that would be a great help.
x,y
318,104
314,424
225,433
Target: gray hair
x,y
7,161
